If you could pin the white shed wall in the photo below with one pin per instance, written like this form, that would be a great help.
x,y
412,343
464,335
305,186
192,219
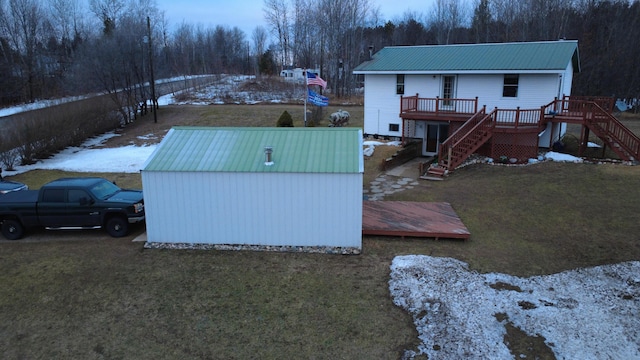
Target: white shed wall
x,y
254,208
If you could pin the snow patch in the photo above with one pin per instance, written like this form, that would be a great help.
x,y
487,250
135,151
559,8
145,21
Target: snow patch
x,y
589,313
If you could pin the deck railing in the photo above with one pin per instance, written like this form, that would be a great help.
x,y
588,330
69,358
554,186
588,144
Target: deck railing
x,y
595,113
518,117
607,103
438,105
577,106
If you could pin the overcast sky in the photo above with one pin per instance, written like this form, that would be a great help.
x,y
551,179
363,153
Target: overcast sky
x,y
247,14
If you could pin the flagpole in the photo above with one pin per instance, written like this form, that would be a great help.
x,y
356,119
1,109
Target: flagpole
x,y
306,95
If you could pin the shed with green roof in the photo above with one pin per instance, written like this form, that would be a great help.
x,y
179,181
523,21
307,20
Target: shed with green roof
x,y
282,187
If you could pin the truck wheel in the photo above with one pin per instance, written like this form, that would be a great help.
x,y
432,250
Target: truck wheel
x,y
12,229
117,226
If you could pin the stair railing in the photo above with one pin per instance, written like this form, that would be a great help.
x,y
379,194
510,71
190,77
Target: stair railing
x,y
604,124
479,124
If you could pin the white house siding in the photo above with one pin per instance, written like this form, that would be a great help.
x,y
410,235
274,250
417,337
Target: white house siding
x,y
381,105
533,90
426,86
230,208
567,80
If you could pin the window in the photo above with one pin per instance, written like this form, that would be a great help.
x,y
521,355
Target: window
x,y
510,88
394,127
400,84
77,196
53,195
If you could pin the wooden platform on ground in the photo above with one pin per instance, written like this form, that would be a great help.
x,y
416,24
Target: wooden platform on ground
x,y
413,219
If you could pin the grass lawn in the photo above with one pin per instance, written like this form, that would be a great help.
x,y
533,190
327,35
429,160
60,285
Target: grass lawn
x,y
85,295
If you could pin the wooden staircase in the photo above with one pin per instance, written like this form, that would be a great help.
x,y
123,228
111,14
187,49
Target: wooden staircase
x,y
593,114
461,144
618,137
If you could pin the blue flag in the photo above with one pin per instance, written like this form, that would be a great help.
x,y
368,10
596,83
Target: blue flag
x,y
317,99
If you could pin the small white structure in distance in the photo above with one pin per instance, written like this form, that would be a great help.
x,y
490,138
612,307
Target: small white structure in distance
x,y
282,187
296,74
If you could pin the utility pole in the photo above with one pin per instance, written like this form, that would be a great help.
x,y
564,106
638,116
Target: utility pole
x,y
153,81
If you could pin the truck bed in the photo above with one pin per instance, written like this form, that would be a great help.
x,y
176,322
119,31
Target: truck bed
x,y
19,197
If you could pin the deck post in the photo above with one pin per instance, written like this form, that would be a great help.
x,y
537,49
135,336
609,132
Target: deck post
x,y
584,137
545,123
475,109
437,103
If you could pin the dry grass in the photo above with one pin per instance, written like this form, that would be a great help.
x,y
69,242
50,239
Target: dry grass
x,y
84,295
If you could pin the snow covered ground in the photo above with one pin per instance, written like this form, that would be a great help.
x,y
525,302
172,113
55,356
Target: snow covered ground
x,y
589,313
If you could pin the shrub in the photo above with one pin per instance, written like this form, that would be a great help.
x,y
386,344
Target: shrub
x,y
285,120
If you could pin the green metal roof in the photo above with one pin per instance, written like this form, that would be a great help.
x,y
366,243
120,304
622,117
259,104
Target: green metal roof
x,y
473,58
295,150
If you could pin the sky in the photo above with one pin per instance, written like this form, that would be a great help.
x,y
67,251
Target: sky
x,y
247,14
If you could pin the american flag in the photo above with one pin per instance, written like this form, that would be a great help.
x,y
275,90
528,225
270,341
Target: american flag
x,y
313,79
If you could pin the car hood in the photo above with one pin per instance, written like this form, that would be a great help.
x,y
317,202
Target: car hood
x,y
126,196
6,185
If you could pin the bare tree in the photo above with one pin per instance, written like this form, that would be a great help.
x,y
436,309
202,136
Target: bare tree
x,y
259,38
276,13
447,16
23,23
481,22
66,19
108,11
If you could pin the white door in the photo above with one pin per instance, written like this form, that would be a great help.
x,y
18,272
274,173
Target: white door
x,y
448,92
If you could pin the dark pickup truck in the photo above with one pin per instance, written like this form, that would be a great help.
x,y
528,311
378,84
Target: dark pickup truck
x,y
71,203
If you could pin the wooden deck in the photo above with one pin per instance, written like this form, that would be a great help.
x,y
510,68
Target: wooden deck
x,y
413,219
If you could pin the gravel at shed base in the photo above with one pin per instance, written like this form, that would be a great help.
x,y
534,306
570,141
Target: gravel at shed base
x,y
271,248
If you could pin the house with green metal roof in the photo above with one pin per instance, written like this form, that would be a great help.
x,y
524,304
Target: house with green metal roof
x,y
276,187
428,92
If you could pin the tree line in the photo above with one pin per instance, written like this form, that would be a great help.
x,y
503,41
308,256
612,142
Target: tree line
x,y
55,48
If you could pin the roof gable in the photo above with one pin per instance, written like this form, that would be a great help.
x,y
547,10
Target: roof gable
x,y
543,56
295,150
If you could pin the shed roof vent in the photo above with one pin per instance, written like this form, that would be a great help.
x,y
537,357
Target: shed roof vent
x,y
268,155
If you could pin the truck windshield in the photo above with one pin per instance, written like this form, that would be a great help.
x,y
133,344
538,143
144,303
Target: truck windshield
x,y
104,189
